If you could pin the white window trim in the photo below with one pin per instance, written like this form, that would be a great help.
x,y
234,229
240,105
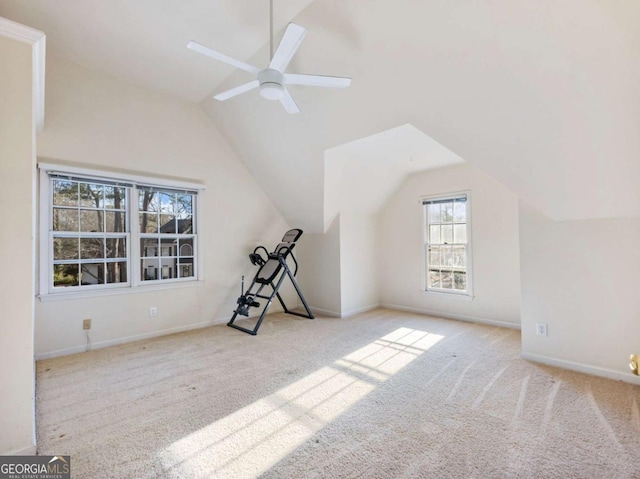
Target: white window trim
x,y
468,294
134,283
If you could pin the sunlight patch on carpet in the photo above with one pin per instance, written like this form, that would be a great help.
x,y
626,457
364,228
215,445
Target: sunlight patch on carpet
x,y
256,437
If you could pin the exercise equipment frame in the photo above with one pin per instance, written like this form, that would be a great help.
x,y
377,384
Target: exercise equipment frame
x,y
274,265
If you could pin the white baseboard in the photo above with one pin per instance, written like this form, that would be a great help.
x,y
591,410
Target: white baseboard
x,y
151,334
361,310
25,451
582,368
126,339
324,312
458,317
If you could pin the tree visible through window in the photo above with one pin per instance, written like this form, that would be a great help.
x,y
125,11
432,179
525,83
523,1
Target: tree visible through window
x,y
89,235
93,227
447,244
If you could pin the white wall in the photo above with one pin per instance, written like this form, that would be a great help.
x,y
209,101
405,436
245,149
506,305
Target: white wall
x,y
581,278
494,232
17,160
99,121
359,261
319,276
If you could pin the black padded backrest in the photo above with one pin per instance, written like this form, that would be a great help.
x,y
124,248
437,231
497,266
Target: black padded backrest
x,y
271,268
291,236
268,271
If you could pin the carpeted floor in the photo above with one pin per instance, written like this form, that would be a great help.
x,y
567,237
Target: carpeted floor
x,y
384,394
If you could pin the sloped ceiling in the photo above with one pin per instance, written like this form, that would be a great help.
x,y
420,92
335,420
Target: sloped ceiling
x,y
360,176
144,41
544,96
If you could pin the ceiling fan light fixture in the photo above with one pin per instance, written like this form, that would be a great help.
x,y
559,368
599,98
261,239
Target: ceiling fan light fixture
x,y
271,84
271,91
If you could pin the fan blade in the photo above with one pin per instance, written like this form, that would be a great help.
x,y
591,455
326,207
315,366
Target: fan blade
x,y
316,80
288,102
288,46
197,47
225,95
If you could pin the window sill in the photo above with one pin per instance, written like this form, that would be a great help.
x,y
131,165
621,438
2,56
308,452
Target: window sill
x,y
73,295
443,294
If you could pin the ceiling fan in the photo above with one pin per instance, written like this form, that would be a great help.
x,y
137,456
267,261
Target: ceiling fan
x,y
272,80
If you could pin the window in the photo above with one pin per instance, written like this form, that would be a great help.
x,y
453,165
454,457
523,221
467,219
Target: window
x,y
104,233
166,234
447,248
89,233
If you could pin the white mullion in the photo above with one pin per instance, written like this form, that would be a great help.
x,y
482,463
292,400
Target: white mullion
x,y
195,218
135,255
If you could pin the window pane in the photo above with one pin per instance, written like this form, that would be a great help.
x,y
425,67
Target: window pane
x,y
447,212
459,256
149,247
434,234
114,198
148,223
185,225
117,272
184,205
460,234
91,195
446,259
167,224
65,275
65,248
91,220
434,213
92,273
65,220
186,247
434,256
168,247
115,221
65,193
166,203
116,248
447,234
446,280
185,267
460,281
91,248
148,201
149,269
168,268
460,211
434,279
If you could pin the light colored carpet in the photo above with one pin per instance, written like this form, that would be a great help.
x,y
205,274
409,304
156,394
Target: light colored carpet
x,y
384,394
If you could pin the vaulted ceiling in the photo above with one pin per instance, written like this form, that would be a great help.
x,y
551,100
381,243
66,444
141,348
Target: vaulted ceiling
x,y
541,95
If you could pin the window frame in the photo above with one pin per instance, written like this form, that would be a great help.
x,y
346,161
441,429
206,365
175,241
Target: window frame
x,y
134,282
83,235
468,293
159,235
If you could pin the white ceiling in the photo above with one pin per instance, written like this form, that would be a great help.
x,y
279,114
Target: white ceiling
x,y
543,95
144,41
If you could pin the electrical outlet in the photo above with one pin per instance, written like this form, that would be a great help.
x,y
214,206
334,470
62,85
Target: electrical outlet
x,y
86,324
541,329
153,311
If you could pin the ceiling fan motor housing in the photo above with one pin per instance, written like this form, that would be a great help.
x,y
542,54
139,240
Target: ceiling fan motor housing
x,y
271,84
